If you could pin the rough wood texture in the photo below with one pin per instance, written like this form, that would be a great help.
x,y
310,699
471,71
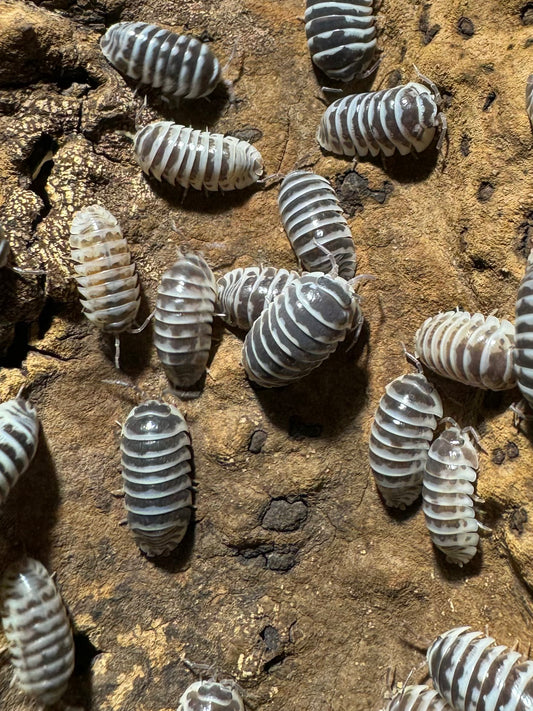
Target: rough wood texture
x,y
295,579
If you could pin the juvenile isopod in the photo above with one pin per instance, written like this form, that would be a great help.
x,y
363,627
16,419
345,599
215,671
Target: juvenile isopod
x,y
448,487
299,329
417,698
529,97
184,312
196,159
211,696
244,293
107,279
179,65
341,36
38,631
404,118
472,349
314,223
523,350
472,673
19,433
401,433
156,469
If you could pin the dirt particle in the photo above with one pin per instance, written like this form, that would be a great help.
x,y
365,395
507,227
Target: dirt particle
x,y
428,31
485,191
465,145
491,98
517,521
526,13
353,191
498,456
512,451
284,515
257,441
248,133
271,638
277,558
465,27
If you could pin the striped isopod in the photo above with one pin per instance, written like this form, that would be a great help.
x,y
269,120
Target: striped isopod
x,y
107,279
401,433
156,467
19,433
341,35
38,631
474,674
417,698
529,97
184,312
472,349
244,293
403,118
299,329
523,350
448,486
211,696
314,223
179,65
196,159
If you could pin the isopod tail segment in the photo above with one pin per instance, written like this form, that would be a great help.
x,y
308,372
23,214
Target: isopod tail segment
x,y
441,118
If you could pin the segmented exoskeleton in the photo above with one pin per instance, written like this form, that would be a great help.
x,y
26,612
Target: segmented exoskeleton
x,y
19,433
523,350
529,97
211,696
417,698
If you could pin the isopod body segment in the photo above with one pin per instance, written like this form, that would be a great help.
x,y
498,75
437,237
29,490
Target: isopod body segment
x,y
4,249
473,673
38,631
196,159
529,97
523,351
401,119
300,328
211,696
417,698
243,294
184,312
19,433
315,225
400,437
156,469
179,65
448,486
341,36
469,348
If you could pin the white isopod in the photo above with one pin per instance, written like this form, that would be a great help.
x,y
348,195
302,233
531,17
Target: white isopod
x,y
19,432
417,698
529,97
211,696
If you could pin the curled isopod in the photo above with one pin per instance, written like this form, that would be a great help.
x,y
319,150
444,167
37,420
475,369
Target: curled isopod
x,y
404,118
472,349
448,486
184,312
299,329
401,433
523,350
417,698
38,631
19,433
472,673
341,36
179,65
156,469
107,279
314,223
211,696
196,159
529,97
244,293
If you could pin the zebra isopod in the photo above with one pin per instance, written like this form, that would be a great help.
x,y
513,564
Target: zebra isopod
x,y
341,36
401,433
448,486
179,65
38,631
417,698
314,223
529,97
196,159
156,469
299,329
472,349
107,279
472,673
211,696
523,350
19,433
404,118
244,293
184,312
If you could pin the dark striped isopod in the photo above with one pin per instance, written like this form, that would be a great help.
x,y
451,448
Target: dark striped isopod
x,y
474,674
244,293
402,430
183,320
314,223
341,35
211,696
196,159
470,348
403,118
156,468
179,65
523,350
38,631
299,329
417,698
19,432
529,97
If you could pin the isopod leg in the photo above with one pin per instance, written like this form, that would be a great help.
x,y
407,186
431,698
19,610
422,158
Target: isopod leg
x,y
144,324
117,351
